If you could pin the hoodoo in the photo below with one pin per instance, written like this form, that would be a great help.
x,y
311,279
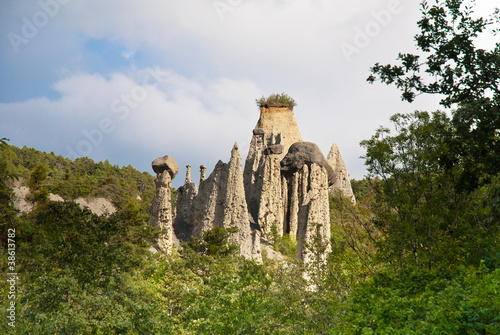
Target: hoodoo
x,y
161,210
276,126
284,188
341,183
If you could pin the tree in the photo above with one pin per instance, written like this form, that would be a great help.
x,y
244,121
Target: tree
x,y
8,212
461,154
426,221
39,193
466,76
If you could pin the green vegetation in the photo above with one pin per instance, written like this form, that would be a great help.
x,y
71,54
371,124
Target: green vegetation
x,y
418,254
276,100
47,173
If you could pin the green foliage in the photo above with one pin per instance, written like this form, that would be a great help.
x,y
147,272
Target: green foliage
x,y
38,192
457,68
443,301
92,248
214,242
285,244
81,177
81,273
277,100
465,75
425,219
353,240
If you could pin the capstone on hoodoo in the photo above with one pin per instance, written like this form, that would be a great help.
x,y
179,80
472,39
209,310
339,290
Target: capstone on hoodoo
x,y
305,179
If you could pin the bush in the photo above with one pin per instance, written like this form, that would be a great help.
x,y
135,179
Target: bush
x,y
277,100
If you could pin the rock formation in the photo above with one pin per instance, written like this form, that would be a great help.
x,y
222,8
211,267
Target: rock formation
x,y
221,202
306,206
283,189
183,223
203,173
302,153
279,126
276,126
166,169
99,206
270,210
287,180
341,182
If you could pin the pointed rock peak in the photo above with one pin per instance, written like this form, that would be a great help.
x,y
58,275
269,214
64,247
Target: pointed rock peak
x,y
235,151
334,152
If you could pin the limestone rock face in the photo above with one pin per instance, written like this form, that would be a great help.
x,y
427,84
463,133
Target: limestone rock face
x,y
314,212
254,170
270,204
183,222
165,163
301,153
305,200
275,132
20,202
221,202
161,209
341,181
99,206
280,127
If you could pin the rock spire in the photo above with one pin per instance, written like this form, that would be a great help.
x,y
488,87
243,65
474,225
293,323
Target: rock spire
x,y
161,210
183,223
276,126
341,181
221,202
306,205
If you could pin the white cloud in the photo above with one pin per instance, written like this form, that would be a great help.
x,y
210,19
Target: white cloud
x,y
212,71
109,118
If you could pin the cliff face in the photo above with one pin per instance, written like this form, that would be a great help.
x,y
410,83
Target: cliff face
x,y
183,223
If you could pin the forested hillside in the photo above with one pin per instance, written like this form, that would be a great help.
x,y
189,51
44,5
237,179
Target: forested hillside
x,y
81,177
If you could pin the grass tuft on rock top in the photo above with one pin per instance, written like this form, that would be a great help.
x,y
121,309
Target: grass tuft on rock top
x,y
276,100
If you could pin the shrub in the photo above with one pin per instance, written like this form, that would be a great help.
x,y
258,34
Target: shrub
x,y
277,100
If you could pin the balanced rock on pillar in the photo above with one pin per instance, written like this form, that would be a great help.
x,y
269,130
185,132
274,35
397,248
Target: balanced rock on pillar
x,y
161,209
306,177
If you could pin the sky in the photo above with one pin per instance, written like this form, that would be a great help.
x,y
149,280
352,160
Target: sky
x,y
130,81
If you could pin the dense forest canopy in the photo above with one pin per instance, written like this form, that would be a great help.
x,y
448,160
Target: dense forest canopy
x,y
418,254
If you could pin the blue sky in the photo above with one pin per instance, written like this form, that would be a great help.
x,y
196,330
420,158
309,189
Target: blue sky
x,y
133,80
